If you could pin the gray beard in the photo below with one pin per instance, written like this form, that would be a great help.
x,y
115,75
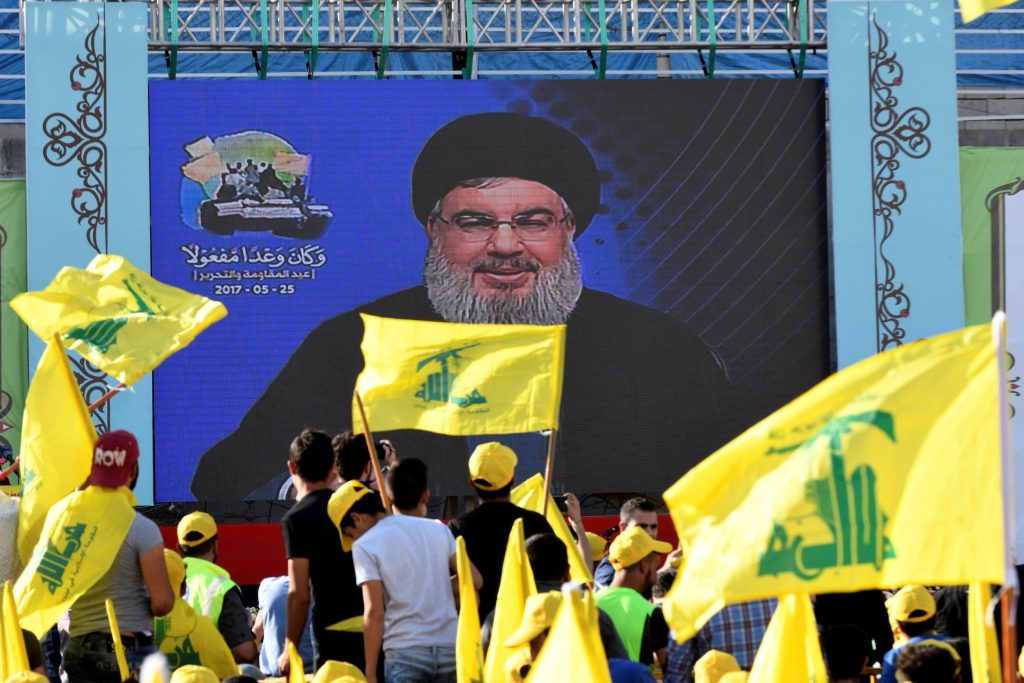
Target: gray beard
x,y
551,302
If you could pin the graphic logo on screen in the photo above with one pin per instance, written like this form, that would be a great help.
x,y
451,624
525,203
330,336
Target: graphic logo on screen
x,y
438,386
252,181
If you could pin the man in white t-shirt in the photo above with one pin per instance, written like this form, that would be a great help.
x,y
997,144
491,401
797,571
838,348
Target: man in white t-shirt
x,y
404,565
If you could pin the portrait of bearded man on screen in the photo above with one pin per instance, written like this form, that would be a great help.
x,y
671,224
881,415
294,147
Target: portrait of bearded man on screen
x,y
502,198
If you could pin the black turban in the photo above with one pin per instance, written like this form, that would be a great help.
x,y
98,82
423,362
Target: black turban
x,y
500,145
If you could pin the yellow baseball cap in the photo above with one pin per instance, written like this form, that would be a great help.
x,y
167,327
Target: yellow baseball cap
x,y
633,545
911,604
341,502
338,672
734,677
175,570
598,546
492,466
196,523
190,673
538,615
713,665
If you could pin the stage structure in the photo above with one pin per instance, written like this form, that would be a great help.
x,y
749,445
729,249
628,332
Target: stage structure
x,y
465,28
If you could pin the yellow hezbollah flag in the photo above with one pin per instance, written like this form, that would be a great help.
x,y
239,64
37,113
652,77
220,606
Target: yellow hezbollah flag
x,y
848,486
119,318
469,658
972,9
516,585
530,495
460,379
985,665
57,438
186,637
573,649
13,659
789,651
79,542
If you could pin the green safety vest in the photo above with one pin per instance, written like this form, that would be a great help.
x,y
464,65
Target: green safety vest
x,y
207,585
629,612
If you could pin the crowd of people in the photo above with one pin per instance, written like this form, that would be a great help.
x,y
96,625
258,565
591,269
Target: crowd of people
x,y
372,594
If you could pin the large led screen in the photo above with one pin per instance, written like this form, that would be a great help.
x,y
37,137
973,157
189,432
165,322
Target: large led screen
x,y
678,227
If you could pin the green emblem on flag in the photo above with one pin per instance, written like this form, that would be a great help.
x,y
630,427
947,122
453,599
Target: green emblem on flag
x,y
102,334
848,506
439,385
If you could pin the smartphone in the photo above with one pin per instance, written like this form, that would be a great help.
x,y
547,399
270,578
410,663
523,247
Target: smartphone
x,y
560,502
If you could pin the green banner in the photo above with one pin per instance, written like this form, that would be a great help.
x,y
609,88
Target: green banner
x,y
13,334
986,174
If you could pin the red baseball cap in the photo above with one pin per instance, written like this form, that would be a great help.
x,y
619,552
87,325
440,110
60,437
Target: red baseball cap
x,y
114,456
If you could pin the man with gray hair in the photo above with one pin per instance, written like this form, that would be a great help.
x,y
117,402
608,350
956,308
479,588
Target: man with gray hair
x,y
503,199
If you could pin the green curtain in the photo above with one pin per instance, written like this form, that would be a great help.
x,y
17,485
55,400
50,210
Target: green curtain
x,y
13,333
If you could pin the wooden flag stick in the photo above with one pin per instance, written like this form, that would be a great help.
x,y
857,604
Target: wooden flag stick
x,y
549,467
373,453
106,397
1009,637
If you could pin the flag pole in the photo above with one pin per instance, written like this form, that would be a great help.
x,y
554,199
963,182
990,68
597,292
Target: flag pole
x,y
106,397
373,452
1010,587
549,467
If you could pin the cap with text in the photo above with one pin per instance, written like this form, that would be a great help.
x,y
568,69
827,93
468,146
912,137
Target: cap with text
x,y
114,457
633,545
196,528
341,502
911,604
492,466
538,615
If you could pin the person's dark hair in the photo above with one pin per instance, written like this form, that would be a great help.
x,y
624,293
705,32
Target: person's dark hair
x,y
549,558
197,550
634,504
239,679
33,651
926,661
846,649
407,481
312,456
918,628
367,505
503,492
351,455
666,577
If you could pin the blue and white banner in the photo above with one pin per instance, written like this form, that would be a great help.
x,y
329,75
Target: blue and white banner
x,y
87,152
895,186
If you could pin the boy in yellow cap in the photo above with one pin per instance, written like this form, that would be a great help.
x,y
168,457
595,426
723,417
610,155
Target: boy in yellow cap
x,y
912,615
211,592
635,556
403,564
492,472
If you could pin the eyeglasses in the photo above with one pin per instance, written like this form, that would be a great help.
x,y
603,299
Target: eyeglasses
x,y
480,227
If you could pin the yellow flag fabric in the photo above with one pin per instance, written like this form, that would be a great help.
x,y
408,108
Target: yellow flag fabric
x,y
187,637
789,651
13,659
985,665
57,438
295,670
80,539
573,649
972,9
460,379
469,657
516,585
848,486
118,317
530,495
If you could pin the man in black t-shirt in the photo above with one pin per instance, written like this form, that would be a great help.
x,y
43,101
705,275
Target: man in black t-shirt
x,y
315,559
492,470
